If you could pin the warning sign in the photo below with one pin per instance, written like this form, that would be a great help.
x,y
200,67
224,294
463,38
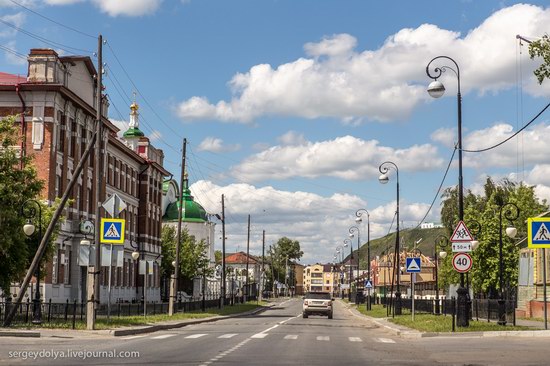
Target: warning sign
x,y
461,234
112,231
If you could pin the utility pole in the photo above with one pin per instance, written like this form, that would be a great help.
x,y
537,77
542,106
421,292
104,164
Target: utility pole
x,y
176,273
223,251
247,255
262,274
95,271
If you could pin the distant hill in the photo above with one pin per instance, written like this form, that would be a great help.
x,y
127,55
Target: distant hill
x,y
407,237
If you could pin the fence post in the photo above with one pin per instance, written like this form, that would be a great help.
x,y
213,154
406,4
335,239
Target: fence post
x,y
74,313
453,311
49,310
119,308
81,311
488,310
66,310
154,307
476,302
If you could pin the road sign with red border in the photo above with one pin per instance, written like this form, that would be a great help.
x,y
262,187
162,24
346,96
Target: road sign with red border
x,y
461,234
462,262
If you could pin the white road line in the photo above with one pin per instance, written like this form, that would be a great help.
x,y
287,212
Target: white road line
x,y
355,339
294,317
273,327
134,337
291,336
228,335
164,336
384,340
195,336
323,338
259,335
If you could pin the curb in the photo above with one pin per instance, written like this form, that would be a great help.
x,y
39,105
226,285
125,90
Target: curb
x,y
140,329
409,333
20,333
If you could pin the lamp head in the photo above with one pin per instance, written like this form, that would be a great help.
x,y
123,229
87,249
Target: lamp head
x,y
358,220
351,236
28,228
442,254
85,242
436,89
173,263
135,255
511,232
383,178
475,244
345,245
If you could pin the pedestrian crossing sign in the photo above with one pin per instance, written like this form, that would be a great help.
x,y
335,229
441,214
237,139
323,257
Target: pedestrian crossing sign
x,y
368,284
538,232
112,231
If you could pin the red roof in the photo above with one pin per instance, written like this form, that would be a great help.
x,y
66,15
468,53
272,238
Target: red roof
x,y
240,258
10,79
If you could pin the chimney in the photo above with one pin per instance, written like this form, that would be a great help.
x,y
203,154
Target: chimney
x,y
44,66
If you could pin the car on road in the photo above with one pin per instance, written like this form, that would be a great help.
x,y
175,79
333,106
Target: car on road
x,y
317,303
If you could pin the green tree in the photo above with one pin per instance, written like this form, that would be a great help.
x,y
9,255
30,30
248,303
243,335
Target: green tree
x,y
18,183
485,209
218,256
193,254
283,249
541,48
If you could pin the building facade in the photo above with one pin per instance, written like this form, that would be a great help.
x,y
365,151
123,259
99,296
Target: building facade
x,y
56,107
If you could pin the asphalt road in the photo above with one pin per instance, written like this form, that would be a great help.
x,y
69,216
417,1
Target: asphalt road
x,y
279,336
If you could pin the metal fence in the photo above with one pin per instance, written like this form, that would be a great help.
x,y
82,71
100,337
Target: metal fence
x,y
71,312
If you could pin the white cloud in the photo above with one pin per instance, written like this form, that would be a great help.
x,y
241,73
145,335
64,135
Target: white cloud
x,y
121,125
319,223
384,84
530,146
292,138
128,7
16,19
214,144
62,2
344,157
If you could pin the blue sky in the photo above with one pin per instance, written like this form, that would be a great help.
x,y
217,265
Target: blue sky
x,y
290,106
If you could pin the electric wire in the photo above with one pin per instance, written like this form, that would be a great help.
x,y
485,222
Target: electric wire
x,y
52,20
45,40
439,189
13,52
512,136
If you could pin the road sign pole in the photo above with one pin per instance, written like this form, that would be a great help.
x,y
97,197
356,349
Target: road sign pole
x,y
110,276
413,277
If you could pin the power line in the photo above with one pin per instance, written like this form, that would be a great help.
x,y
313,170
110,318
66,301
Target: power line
x,y
514,135
13,52
53,21
45,40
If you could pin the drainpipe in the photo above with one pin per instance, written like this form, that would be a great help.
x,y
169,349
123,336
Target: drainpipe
x,y
23,126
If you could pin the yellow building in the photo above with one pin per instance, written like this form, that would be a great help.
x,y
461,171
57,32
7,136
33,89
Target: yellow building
x,y
320,277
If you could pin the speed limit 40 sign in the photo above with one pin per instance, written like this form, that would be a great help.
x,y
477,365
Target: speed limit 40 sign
x,y
462,262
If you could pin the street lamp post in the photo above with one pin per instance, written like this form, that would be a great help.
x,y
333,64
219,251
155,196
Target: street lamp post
x,y
436,90
511,212
358,220
340,252
346,242
384,168
352,230
441,241
30,209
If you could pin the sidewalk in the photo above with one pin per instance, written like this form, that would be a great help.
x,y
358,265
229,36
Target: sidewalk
x,y
117,332
402,331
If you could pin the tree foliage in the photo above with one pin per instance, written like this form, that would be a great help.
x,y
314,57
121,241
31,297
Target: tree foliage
x,y
283,249
541,48
193,254
486,209
18,183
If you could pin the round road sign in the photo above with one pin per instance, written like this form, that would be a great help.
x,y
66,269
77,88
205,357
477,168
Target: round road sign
x,y
462,262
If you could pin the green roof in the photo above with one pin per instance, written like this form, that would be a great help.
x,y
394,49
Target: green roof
x,y
133,132
192,212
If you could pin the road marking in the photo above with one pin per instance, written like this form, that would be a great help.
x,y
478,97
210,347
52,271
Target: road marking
x,y
294,317
384,340
228,335
134,337
355,339
323,338
273,327
164,336
259,335
195,336
291,336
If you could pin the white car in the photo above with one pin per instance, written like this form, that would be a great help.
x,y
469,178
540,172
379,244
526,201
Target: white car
x,y
317,303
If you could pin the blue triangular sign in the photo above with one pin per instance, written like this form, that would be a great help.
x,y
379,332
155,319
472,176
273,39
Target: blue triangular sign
x,y
368,284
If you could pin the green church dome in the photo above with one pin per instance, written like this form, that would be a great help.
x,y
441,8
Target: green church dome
x,y
192,212
133,132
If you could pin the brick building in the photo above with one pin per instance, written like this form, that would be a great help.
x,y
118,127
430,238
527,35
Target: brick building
x,y
56,104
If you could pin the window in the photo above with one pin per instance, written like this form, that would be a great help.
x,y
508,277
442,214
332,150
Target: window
x,y
61,142
55,268
72,144
67,268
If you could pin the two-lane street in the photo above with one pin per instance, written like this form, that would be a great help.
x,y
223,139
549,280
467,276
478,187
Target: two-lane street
x,y
279,336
